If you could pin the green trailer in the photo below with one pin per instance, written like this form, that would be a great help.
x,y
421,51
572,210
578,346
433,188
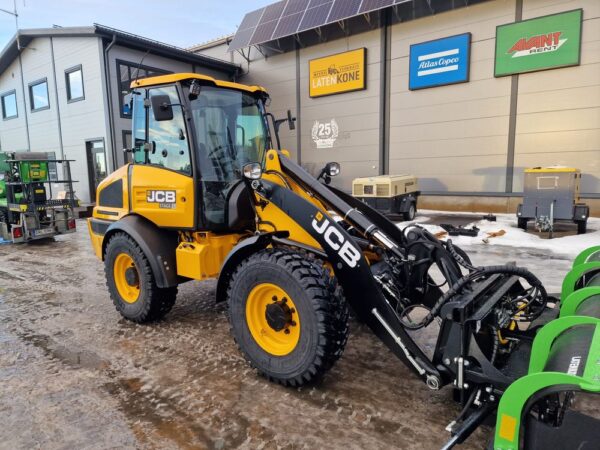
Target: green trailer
x,y
28,208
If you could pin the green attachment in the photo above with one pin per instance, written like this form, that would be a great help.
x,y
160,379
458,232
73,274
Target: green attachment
x,y
544,339
570,281
33,171
569,306
588,255
4,166
514,399
512,403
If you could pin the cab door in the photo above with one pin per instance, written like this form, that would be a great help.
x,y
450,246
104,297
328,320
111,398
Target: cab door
x,y
162,182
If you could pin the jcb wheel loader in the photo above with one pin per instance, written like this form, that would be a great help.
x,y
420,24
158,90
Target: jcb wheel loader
x,y
208,196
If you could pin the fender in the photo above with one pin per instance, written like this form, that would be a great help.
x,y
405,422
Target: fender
x,y
240,252
158,245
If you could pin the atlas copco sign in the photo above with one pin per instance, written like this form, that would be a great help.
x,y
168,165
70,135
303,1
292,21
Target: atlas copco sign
x,y
538,44
440,62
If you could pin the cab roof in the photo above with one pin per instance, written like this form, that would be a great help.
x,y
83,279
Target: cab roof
x,y
172,78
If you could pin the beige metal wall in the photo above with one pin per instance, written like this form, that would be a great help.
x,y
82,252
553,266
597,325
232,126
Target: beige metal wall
x,y
356,113
455,138
558,119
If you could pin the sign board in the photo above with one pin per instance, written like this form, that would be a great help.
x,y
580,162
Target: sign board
x,y
324,134
334,74
439,62
537,44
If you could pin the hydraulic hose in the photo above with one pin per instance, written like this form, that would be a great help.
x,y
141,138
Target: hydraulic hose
x,y
468,279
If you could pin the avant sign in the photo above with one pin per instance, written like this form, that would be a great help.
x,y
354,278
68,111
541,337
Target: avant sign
x,y
537,44
343,72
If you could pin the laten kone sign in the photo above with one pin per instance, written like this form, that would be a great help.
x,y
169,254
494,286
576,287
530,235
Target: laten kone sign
x,y
338,73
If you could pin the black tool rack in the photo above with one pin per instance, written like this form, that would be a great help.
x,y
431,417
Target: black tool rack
x,y
35,206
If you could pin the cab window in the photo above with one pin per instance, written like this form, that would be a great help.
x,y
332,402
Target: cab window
x,y
250,135
167,141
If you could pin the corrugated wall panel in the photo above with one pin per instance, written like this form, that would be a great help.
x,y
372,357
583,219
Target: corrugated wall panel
x,y
558,119
459,132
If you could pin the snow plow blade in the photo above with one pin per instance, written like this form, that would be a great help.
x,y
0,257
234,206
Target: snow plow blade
x,y
536,411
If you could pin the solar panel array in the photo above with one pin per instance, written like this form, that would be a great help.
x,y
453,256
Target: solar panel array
x,y
288,17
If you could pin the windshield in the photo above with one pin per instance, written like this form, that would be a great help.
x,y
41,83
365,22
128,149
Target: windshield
x,y
230,132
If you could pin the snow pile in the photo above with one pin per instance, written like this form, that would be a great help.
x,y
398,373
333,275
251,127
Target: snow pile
x,y
569,246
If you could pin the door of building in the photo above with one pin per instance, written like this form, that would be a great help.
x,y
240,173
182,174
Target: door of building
x,y
96,158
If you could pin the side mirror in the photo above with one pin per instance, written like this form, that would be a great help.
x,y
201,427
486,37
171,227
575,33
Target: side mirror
x,y
291,120
252,171
161,107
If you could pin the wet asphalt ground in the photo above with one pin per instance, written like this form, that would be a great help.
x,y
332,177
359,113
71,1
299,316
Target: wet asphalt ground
x,y
74,374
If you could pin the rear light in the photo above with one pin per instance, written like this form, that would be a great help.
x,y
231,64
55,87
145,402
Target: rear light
x,y
17,232
71,224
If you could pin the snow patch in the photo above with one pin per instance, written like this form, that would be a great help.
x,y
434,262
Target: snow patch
x,y
569,246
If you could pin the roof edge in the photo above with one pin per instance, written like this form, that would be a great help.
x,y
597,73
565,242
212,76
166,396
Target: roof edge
x,y
23,37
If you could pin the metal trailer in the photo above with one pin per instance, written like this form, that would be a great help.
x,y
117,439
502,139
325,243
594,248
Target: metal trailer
x,y
551,194
389,194
28,209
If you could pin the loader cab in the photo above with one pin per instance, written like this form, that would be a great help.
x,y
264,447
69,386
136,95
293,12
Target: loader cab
x,y
199,134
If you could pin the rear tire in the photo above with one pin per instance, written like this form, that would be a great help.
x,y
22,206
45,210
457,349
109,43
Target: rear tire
x,y
151,302
411,213
522,223
316,326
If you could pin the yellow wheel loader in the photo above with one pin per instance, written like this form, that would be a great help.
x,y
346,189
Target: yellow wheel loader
x,y
210,194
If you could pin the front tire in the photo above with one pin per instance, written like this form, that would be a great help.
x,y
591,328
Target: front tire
x,y
131,282
287,316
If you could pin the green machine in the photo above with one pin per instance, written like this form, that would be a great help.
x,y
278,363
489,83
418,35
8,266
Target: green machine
x,y
541,409
28,210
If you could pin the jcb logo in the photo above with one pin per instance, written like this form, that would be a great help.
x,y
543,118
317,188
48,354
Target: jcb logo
x,y
160,196
336,240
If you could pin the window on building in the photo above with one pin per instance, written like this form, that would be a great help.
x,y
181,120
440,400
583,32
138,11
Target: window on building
x,y
9,105
74,82
126,73
38,95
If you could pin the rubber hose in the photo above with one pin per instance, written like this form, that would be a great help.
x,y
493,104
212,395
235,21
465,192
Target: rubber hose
x,y
481,271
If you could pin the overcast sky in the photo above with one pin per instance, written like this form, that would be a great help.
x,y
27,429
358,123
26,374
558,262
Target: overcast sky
x,y
177,22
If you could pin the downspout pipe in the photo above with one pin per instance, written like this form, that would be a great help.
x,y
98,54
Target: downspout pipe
x,y
110,101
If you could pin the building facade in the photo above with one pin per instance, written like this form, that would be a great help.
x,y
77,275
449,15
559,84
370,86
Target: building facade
x,y
62,91
467,141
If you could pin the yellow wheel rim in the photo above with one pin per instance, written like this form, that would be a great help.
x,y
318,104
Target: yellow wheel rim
x,y
273,319
127,278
